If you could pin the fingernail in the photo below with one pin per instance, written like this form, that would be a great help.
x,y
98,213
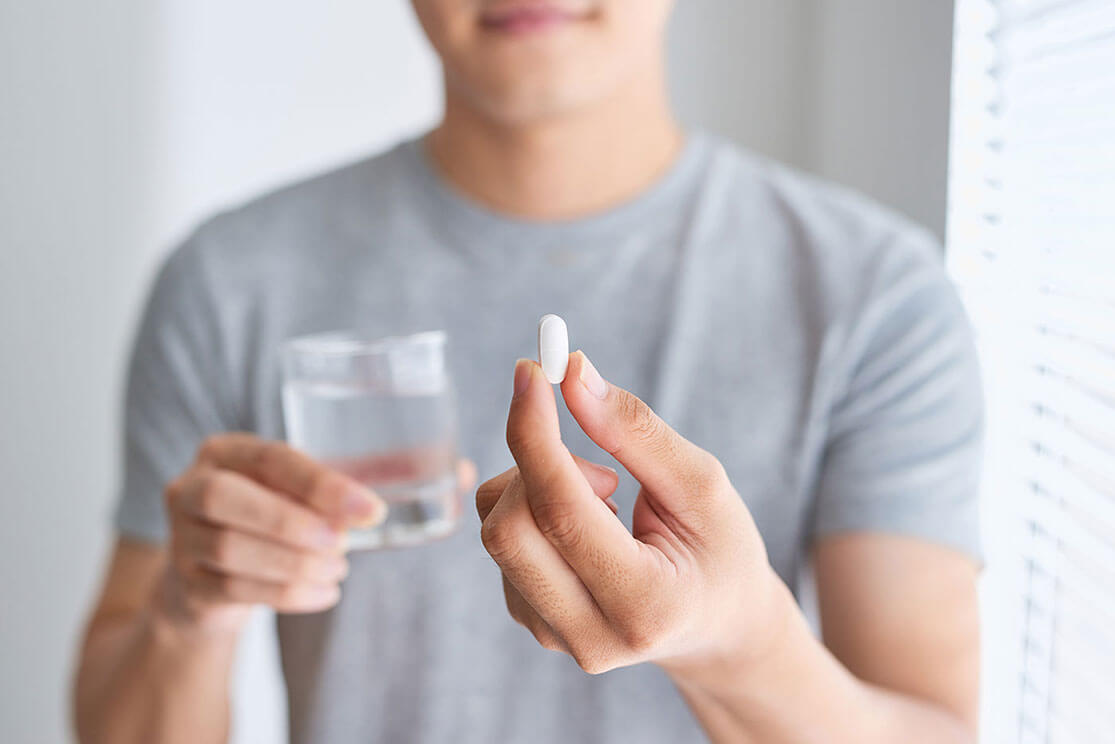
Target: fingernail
x,y
612,505
362,509
591,379
524,368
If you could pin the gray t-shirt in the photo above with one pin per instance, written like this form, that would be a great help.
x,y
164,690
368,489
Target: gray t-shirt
x,y
803,335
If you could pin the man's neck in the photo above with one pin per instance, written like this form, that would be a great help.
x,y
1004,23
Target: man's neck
x,y
564,167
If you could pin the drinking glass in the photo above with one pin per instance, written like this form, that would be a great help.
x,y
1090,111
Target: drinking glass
x,y
382,411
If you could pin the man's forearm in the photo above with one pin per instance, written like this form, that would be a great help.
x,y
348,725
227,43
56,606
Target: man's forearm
x,y
141,680
799,692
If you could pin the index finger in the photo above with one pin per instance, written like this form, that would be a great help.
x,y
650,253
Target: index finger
x,y
566,510
277,465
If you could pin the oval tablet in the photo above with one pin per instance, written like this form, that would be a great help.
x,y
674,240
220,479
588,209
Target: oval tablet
x,y
553,348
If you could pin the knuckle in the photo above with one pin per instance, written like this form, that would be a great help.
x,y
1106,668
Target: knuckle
x,y
252,512
521,440
222,548
209,494
172,492
639,639
643,423
517,615
486,496
550,642
515,610
500,539
632,410
717,473
283,524
545,636
516,439
591,661
267,455
710,475
531,622
558,522
644,632
210,447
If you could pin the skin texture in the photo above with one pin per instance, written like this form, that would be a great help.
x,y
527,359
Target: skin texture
x,y
690,587
552,124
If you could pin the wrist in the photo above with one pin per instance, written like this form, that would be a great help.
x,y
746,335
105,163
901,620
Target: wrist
x,y
763,692
748,653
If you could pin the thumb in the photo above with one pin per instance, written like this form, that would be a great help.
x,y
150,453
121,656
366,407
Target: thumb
x,y
664,462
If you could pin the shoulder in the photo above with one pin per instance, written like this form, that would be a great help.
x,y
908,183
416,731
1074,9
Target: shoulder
x,y
830,228
846,255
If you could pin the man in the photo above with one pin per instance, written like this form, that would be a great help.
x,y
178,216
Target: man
x,y
810,394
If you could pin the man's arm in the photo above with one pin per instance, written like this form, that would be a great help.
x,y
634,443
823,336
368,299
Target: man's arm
x,y
899,660
251,522
903,614
140,678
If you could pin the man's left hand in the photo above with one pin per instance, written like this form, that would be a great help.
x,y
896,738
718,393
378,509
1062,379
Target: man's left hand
x,y
689,585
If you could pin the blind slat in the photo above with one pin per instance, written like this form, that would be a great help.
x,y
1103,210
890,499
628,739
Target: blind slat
x,y
1031,241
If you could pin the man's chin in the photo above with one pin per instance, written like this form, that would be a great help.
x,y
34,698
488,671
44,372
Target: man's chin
x,y
525,102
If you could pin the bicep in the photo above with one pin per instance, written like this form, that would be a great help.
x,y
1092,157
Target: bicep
x,y
902,613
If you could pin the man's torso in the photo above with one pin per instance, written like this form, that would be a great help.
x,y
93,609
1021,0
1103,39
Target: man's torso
x,y
707,296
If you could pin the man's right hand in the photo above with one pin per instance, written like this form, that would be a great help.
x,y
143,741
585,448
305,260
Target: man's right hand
x,y
257,522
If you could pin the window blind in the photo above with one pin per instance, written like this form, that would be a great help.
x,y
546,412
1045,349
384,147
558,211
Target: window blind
x,y
1031,240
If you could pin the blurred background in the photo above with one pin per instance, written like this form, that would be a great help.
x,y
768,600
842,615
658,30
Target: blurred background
x,y
123,123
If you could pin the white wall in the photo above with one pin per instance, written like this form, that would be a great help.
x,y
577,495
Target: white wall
x,y
744,69
75,195
879,108
122,123
261,92
854,90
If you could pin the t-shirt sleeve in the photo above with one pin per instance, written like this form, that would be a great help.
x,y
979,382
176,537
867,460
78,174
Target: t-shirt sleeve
x,y
904,442
174,395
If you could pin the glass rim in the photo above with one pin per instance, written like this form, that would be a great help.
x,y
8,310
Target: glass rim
x,y
353,343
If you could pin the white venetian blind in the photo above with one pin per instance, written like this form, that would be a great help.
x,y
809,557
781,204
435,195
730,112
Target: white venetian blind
x,y
1032,245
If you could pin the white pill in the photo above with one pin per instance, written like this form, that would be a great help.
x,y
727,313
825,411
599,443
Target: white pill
x,y
553,348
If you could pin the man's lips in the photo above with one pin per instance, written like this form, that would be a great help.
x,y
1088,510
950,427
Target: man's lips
x,y
519,18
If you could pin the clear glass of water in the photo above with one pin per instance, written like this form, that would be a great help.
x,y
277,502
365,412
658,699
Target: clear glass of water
x,y
384,412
